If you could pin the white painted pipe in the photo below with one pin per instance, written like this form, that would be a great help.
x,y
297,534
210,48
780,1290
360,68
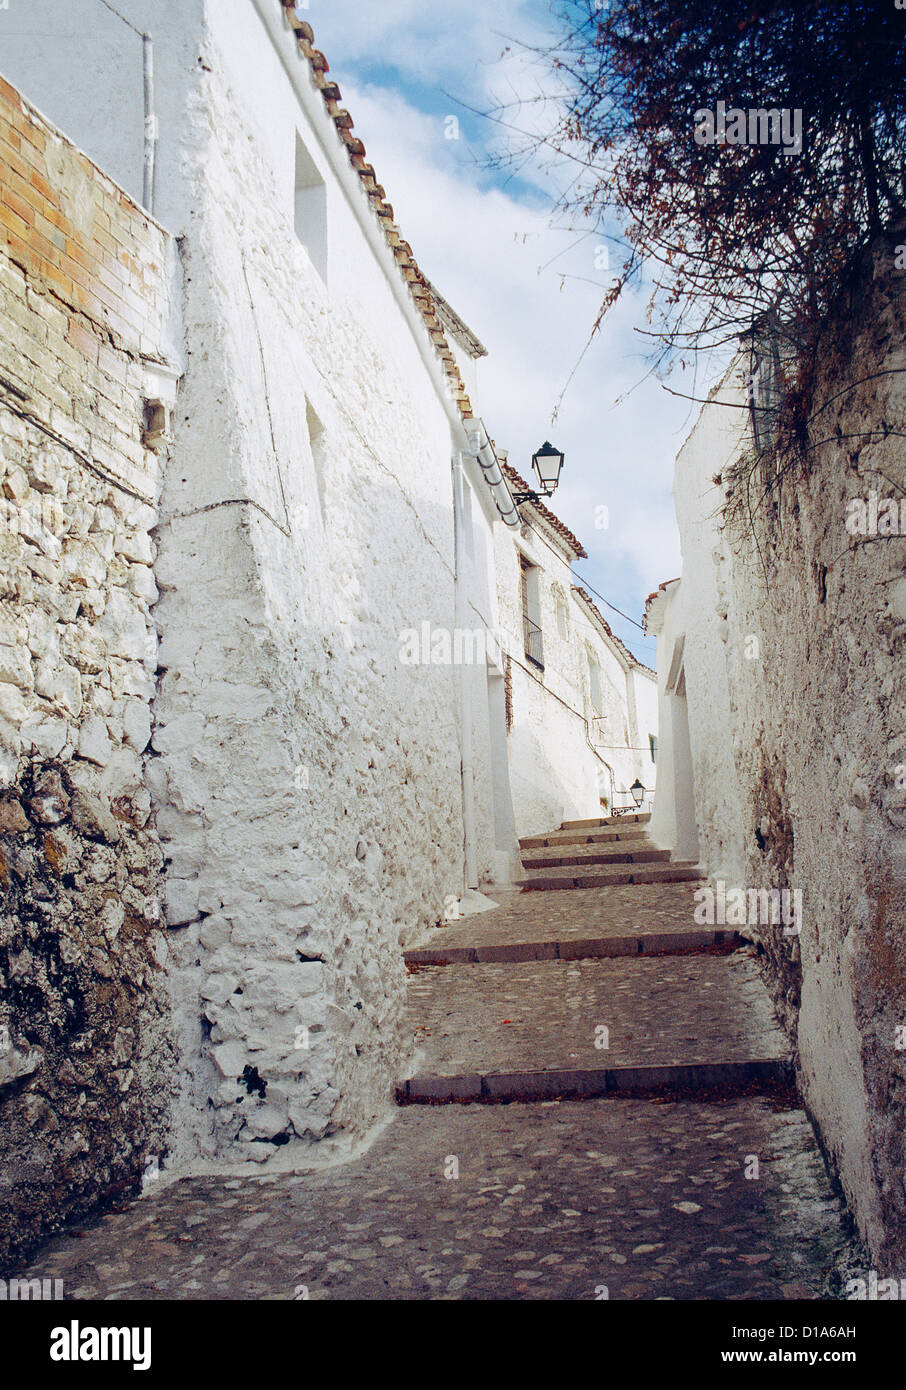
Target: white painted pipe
x,y
150,129
480,447
465,693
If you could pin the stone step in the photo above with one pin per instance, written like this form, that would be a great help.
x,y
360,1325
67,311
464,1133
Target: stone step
x,y
654,943
537,1029
629,911
566,858
543,880
584,837
729,1079
607,822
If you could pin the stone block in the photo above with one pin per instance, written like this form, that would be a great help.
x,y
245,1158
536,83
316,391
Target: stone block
x,y
94,741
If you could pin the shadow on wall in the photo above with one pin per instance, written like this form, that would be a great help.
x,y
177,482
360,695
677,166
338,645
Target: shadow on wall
x,y
541,796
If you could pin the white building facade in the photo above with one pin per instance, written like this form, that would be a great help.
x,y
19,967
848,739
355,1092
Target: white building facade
x,y
581,710
345,735
309,780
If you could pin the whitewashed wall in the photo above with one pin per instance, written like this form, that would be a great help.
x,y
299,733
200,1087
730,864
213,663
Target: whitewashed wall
x,y
556,773
306,780
313,880
619,730
793,658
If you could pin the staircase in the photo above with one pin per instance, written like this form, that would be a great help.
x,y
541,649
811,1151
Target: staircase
x,y
612,989
599,854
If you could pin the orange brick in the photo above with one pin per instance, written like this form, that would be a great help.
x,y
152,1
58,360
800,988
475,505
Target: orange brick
x,y
79,255
10,159
53,214
80,338
54,275
45,250
18,205
43,187
20,251
50,233
10,94
11,219
35,136
23,188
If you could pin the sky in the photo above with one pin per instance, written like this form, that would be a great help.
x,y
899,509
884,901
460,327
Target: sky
x,y
417,77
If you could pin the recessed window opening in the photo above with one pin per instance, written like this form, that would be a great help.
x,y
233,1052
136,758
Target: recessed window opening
x,y
311,208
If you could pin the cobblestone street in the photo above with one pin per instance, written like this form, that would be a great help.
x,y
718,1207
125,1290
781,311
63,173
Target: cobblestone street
x,y
709,1186
552,1201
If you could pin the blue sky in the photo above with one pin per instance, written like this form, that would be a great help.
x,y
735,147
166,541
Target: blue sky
x,y
527,283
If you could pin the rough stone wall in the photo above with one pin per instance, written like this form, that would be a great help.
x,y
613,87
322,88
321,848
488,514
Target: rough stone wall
x,y
85,1057
816,724
308,780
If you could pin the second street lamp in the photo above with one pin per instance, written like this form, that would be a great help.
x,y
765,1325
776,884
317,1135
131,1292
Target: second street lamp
x,y
547,463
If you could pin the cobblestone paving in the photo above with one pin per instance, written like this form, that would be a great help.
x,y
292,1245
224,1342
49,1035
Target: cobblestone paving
x,y
529,1016
600,1198
551,1201
625,910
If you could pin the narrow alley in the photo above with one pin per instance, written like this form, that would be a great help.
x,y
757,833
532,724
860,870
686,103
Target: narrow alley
x,y
652,1147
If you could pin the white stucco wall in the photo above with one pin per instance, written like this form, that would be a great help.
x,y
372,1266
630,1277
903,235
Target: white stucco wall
x,y
306,780
287,657
495,824
557,770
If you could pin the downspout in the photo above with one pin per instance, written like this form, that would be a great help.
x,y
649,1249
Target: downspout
x,y
150,126
481,448
465,694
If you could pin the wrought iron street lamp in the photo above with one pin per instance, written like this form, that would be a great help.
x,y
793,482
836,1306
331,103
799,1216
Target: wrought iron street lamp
x,y
547,462
638,792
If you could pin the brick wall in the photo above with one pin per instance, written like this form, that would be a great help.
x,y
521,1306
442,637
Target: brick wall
x,y
84,1046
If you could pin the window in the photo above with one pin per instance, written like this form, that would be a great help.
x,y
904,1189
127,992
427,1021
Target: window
x,y
652,744
311,209
531,612
765,383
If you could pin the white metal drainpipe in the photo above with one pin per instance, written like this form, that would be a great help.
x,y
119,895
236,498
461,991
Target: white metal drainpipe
x,y
465,694
150,124
481,448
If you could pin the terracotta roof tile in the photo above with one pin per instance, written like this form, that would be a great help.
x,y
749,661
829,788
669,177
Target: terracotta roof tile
x,y
589,602
554,522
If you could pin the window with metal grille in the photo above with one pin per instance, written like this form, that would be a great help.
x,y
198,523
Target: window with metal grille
x,y
764,387
531,612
